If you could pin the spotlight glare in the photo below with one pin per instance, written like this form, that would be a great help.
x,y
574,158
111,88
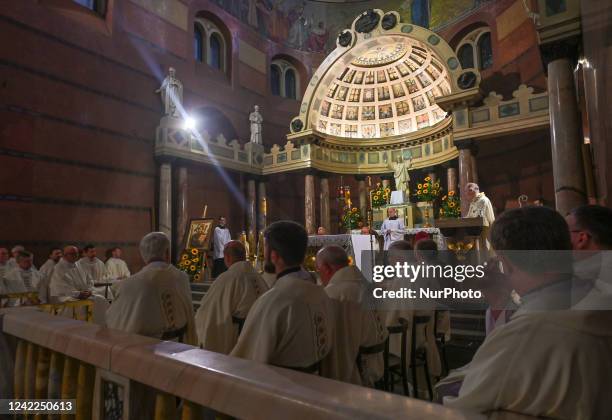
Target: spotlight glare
x,y
189,123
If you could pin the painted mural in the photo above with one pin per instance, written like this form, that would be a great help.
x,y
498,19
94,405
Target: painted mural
x,y
311,25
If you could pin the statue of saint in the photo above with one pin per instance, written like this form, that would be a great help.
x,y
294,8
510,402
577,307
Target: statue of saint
x,y
401,175
256,120
171,91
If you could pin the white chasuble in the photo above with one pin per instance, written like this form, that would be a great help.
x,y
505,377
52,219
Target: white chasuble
x,y
356,326
116,268
552,364
392,230
230,297
94,268
291,325
155,300
47,268
68,280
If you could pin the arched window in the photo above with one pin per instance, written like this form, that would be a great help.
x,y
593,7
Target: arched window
x,y
216,54
290,89
466,56
475,50
485,53
284,79
198,42
210,46
275,80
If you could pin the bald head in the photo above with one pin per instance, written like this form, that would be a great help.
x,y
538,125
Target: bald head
x,y
71,253
329,260
471,189
233,252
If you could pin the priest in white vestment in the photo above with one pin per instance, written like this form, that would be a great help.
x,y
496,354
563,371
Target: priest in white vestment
x,y
358,324
92,265
221,236
47,268
480,206
392,228
157,299
292,324
23,278
228,300
69,281
116,268
547,361
12,262
4,257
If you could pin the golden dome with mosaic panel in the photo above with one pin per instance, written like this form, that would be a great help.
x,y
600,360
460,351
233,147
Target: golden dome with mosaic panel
x,y
378,91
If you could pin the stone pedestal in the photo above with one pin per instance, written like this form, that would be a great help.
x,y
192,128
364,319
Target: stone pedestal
x,y
164,223
309,204
324,200
182,216
566,142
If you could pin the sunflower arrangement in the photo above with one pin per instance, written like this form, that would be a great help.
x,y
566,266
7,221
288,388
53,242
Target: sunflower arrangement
x,y
450,206
427,190
191,262
380,196
351,218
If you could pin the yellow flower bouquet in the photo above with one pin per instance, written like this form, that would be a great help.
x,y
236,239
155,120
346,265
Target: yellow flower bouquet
x,y
428,190
450,206
380,196
351,219
192,261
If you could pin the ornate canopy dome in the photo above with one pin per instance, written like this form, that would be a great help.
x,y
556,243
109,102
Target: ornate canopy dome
x,y
387,89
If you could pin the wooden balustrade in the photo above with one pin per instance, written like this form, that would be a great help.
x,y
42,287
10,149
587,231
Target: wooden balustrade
x,y
56,356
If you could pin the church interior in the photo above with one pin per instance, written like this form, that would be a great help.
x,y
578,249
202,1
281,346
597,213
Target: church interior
x,y
196,197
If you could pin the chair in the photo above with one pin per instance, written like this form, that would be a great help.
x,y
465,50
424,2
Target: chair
x,y
177,334
418,356
395,365
441,343
370,350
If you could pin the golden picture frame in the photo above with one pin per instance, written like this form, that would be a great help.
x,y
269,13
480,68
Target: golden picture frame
x,y
199,234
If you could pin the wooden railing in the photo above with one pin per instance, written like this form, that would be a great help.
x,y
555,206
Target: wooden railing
x,y
57,357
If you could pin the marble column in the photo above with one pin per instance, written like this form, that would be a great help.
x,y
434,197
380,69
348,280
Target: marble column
x,y
363,197
263,206
324,201
451,179
566,142
465,172
251,213
182,216
164,223
309,204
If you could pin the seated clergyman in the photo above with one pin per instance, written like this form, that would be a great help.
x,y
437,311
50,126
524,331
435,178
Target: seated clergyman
x,y
116,268
157,299
357,326
292,324
68,281
92,265
545,361
23,278
228,301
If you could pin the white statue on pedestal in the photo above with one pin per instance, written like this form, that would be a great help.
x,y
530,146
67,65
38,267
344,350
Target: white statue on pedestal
x,y
171,91
401,175
256,121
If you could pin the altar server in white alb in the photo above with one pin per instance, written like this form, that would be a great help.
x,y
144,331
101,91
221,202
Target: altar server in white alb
x,y
157,299
54,256
392,228
361,326
221,237
226,304
116,268
292,324
23,278
480,206
92,265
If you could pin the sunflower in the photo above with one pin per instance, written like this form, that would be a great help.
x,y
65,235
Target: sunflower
x,y
387,190
420,186
428,178
451,193
418,192
196,277
192,268
195,260
184,257
437,185
354,210
451,204
194,251
425,191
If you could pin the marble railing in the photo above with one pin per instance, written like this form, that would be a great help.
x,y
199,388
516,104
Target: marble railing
x,y
107,370
496,117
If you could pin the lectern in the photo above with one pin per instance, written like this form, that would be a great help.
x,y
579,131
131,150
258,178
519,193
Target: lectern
x,y
463,237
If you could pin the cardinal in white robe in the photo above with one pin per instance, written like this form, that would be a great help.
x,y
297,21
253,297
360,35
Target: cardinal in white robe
x,y
358,325
392,228
116,268
292,324
226,304
157,299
